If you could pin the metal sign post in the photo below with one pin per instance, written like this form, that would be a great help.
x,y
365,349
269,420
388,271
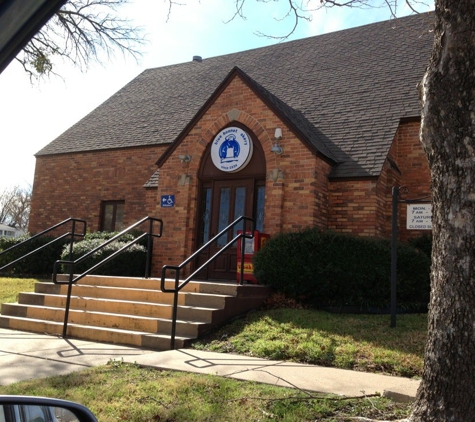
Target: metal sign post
x,y
394,236
394,256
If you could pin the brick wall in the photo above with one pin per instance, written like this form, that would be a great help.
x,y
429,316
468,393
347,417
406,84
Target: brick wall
x,y
296,183
415,174
390,176
73,185
353,207
363,207
298,193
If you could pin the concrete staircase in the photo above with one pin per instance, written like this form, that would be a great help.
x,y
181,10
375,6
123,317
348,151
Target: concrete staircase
x,y
130,311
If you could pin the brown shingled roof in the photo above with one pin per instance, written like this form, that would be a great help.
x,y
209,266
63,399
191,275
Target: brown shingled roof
x,y
348,91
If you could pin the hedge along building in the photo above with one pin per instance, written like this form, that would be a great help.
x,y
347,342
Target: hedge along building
x,y
195,143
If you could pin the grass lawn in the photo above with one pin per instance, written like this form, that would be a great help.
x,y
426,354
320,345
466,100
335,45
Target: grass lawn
x,y
128,392
10,287
358,342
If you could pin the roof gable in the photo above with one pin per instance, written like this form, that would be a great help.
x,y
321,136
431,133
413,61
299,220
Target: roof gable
x,y
294,120
346,92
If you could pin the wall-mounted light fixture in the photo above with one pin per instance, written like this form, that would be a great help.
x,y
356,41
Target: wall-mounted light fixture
x,y
185,158
277,149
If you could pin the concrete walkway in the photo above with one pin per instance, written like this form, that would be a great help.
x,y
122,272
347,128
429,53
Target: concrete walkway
x,y
26,356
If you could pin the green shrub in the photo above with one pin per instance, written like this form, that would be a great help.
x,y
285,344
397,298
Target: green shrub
x,y
330,269
131,262
422,243
39,264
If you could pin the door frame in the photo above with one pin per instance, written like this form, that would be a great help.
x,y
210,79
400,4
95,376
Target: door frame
x,y
224,265
210,177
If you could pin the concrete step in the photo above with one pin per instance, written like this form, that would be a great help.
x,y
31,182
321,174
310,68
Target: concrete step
x,y
222,288
135,294
130,311
99,334
189,329
157,310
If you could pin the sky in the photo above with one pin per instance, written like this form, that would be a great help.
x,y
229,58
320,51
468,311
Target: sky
x,y
33,114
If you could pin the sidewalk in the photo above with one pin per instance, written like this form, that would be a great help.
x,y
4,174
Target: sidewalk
x,y
26,356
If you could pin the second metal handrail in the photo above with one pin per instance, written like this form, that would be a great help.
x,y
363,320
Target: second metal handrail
x,y
177,268
71,263
71,233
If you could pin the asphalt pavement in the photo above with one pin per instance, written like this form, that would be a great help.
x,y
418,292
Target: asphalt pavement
x,y
26,356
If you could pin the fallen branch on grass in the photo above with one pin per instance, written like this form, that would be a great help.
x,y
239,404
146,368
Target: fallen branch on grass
x,y
295,398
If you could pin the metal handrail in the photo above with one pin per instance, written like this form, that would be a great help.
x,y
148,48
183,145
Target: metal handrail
x,y
71,233
177,268
72,280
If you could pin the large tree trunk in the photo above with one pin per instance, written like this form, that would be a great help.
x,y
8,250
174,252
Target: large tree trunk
x,y
447,391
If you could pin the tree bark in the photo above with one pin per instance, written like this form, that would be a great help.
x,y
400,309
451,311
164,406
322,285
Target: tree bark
x,y
447,391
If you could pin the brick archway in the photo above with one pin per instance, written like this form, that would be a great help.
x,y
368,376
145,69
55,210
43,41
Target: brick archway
x,y
224,196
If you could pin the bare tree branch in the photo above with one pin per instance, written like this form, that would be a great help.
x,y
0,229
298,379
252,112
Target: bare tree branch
x,y
302,10
348,3
81,32
297,13
15,207
172,3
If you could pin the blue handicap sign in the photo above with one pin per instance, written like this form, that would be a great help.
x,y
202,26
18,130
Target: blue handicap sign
x,y
168,201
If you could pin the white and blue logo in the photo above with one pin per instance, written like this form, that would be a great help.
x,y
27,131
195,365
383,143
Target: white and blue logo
x,y
231,150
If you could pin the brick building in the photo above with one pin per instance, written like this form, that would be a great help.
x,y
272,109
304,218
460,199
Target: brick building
x,y
313,132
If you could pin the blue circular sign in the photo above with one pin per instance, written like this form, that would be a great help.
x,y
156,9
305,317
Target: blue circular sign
x,y
231,150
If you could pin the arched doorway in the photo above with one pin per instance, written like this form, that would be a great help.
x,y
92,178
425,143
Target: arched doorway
x,y
226,195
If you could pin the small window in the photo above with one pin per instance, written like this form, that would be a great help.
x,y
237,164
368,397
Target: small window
x,y
112,216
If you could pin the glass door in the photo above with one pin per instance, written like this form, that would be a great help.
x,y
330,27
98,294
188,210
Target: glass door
x,y
222,202
232,200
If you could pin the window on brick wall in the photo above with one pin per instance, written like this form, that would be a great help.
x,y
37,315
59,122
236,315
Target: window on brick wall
x,y
112,216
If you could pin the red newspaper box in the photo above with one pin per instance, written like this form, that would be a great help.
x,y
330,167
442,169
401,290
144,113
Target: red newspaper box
x,y
250,247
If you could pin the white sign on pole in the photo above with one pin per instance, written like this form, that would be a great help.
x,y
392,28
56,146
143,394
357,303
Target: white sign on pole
x,y
419,217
